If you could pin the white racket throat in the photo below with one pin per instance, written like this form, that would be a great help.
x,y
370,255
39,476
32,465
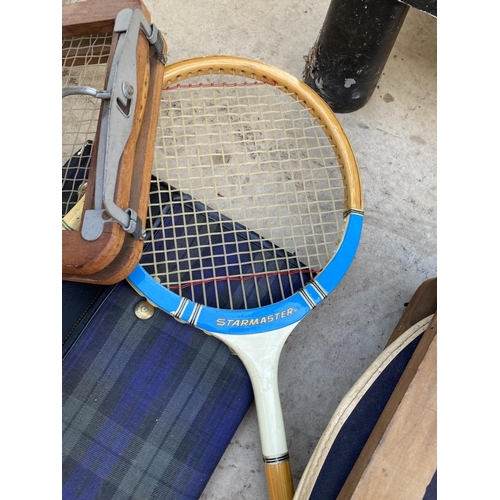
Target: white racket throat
x,y
260,353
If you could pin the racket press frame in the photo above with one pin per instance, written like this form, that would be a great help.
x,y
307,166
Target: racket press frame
x,y
111,249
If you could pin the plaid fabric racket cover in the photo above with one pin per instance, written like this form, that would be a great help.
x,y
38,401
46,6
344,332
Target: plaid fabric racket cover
x,y
149,406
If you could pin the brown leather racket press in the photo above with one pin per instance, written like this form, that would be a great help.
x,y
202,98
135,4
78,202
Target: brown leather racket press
x,y
113,60
255,209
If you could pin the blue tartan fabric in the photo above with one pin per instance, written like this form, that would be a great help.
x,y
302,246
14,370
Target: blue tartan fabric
x,y
149,406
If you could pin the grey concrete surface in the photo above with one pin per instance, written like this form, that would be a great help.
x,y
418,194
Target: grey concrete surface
x,y
394,139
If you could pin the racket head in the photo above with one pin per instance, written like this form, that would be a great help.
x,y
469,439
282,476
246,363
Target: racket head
x,y
234,132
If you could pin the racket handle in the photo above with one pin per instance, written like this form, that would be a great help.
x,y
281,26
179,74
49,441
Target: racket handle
x,y
279,481
71,221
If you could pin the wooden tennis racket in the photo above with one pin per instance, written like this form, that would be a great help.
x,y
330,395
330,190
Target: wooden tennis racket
x,y
72,220
255,216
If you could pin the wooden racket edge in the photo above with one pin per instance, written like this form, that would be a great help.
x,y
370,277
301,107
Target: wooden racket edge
x,y
348,405
249,68
72,220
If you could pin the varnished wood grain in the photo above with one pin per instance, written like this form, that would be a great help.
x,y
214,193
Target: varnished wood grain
x,y
95,16
298,90
422,304
279,481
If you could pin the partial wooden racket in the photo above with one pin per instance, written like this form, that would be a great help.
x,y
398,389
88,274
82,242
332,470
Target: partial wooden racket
x,y
255,215
347,407
72,220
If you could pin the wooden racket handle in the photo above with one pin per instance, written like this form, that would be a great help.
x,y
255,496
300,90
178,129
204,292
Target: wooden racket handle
x,y
72,220
279,481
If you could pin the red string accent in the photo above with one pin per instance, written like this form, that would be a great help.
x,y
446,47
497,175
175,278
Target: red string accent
x,y
217,85
244,278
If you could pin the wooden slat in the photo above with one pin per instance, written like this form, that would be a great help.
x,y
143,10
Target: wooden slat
x,y
95,16
399,458
422,304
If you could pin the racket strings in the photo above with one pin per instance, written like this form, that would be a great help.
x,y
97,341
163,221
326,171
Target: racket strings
x,y
84,63
254,156
198,251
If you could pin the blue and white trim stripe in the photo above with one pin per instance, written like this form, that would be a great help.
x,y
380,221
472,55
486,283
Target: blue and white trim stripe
x,y
182,307
308,299
193,319
318,289
314,292
263,319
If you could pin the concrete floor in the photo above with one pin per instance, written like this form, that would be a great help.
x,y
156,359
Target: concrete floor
x,y
394,140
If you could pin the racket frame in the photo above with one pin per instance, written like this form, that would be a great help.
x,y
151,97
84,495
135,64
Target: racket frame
x,y
282,314
258,335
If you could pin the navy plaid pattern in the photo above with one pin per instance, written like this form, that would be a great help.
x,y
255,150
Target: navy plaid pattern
x,y
149,406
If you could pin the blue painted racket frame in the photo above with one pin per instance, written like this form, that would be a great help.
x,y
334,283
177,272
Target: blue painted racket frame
x,y
262,319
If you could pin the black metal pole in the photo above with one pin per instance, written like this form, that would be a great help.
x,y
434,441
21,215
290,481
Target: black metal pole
x,y
347,59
